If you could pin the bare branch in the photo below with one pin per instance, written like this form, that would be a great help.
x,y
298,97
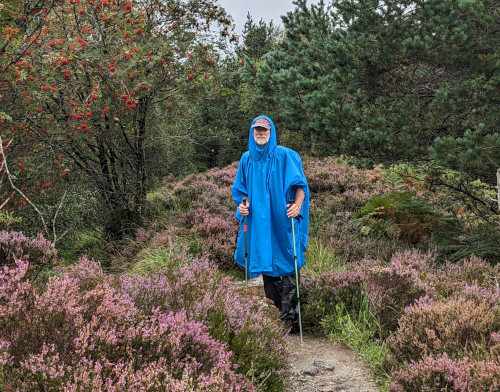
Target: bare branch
x,y
54,233
9,177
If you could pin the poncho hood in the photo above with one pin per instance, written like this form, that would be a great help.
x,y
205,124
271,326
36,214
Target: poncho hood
x,y
269,177
257,153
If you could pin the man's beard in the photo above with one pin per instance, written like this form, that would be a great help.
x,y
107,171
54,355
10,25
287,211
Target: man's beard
x,y
261,141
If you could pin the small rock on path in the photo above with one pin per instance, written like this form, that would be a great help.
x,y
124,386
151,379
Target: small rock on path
x,y
320,365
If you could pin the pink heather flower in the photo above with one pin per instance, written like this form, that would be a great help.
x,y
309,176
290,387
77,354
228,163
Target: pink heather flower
x,y
170,331
13,288
4,352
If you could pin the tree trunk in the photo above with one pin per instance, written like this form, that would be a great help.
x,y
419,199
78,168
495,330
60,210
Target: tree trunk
x,y
498,189
140,145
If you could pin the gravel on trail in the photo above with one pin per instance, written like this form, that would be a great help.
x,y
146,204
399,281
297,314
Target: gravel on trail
x,y
321,365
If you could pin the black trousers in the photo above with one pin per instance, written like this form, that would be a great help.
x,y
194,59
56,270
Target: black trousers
x,y
283,292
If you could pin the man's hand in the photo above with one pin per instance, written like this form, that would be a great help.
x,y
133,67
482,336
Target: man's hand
x,y
244,209
293,210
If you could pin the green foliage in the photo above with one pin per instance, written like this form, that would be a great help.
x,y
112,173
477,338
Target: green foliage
x,y
258,38
387,84
151,260
397,215
475,152
84,242
321,259
96,87
7,219
457,243
360,332
219,122
452,212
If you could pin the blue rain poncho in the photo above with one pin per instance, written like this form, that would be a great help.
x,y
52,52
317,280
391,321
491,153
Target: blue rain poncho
x,y
269,178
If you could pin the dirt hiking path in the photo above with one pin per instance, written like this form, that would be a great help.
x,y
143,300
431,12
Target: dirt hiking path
x,y
320,365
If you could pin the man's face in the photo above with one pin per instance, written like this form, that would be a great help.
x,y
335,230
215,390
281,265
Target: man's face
x,y
261,136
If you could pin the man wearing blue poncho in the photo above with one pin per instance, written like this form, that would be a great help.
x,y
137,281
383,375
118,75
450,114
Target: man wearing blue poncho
x,y
271,180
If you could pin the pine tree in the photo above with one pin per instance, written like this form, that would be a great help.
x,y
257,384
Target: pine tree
x,y
390,80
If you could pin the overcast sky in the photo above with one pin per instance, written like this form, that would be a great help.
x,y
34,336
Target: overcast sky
x,y
265,9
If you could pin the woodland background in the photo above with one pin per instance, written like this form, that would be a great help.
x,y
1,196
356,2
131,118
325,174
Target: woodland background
x,y
121,123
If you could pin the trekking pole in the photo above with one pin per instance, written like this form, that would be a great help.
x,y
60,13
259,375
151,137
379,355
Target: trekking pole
x,y
296,275
246,254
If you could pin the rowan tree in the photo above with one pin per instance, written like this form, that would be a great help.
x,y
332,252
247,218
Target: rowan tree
x,y
96,83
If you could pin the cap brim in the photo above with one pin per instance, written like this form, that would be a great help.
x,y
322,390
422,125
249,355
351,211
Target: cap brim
x,y
261,126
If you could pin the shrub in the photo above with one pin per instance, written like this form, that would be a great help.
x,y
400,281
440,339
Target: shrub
x,y
433,327
14,290
322,294
246,326
39,252
218,233
398,215
394,286
337,191
202,208
347,188
441,373
454,279
94,337
343,236
475,270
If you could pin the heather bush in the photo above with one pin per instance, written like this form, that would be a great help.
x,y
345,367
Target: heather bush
x,y
340,187
455,326
490,295
218,232
201,208
245,325
442,373
342,234
14,290
475,270
471,274
94,337
408,308
324,293
495,346
392,287
337,192
39,252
